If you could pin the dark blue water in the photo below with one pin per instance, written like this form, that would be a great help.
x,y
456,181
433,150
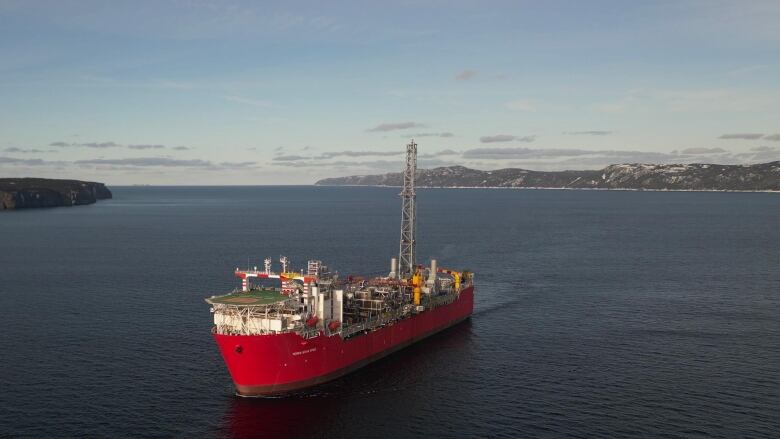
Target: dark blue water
x,y
623,314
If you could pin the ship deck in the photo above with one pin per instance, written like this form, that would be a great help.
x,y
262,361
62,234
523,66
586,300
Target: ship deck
x,y
249,298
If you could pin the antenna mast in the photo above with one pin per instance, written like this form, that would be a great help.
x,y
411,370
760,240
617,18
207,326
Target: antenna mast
x,y
408,214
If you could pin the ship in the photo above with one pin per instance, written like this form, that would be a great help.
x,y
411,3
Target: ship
x,y
283,332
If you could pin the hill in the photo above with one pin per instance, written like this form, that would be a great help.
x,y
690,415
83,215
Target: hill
x,y
759,177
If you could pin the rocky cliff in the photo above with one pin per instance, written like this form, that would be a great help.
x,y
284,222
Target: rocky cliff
x,y
760,177
19,193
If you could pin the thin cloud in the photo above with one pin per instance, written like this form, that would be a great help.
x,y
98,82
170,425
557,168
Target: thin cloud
x,y
146,146
446,152
28,151
761,154
237,164
104,145
439,154
517,153
329,155
693,100
703,151
557,153
286,159
588,133
97,145
379,166
773,137
290,158
24,162
386,165
247,101
466,75
147,161
744,70
395,126
444,134
742,136
132,163
497,138
100,145
506,138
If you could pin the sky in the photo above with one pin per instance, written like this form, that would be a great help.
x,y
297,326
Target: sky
x,y
255,93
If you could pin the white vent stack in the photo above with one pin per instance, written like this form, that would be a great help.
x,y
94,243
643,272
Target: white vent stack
x,y
311,298
338,305
432,274
321,307
393,268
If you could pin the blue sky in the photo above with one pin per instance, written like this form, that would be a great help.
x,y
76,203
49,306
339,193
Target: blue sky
x,y
221,92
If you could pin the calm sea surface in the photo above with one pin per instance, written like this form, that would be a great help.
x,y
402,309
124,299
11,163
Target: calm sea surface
x,y
622,314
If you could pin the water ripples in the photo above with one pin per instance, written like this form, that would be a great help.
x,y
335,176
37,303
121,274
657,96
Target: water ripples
x,y
595,317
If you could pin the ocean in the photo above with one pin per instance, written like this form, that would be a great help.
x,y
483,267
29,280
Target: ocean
x,y
598,314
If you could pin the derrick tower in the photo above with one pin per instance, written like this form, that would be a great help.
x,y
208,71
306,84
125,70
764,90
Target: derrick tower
x,y
408,215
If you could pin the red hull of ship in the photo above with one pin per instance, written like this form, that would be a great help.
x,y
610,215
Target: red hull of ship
x,y
273,364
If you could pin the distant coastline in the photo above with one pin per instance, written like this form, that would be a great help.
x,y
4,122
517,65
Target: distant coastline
x,y
770,191
25,193
764,177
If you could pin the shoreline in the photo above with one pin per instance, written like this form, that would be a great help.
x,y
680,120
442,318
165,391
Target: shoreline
x,y
558,188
